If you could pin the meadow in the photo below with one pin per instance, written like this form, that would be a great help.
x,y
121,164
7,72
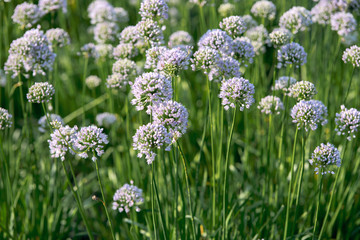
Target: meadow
x,y
154,119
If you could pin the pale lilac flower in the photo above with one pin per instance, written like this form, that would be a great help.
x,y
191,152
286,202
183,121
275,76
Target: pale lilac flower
x,y
43,124
103,50
226,9
153,55
101,11
234,26
117,80
151,32
26,14
352,55
225,68
121,14
218,40
92,81
125,67
130,34
180,38
150,137
344,23
249,21
126,197
243,50
291,54
340,5
105,119
259,37
280,36
172,61
61,141
303,90
309,114
57,37
125,50
297,19
205,59
284,84
154,9
322,11
90,139
271,105
5,119
347,122
88,50
47,6
105,32
150,88
264,9
350,39
237,92
173,116
324,158
40,92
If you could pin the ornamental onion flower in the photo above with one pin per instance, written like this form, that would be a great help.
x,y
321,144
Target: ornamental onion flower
x,y
152,56
243,50
280,36
61,141
92,81
150,88
47,6
264,9
322,11
57,37
125,50
172,61
226,9
352,55
180,38
342,22
234,26
271,105
218,40
249,21
151,32
154,9
284,84
101,11
297,19
126,197
121,15
90,139
105,32
26,14
44,125
303,90
324,158
40,92
150,137
125,67
226,67
291,54
237,92
259,37
173,116
105,119
5,119
309,114
205,59
347,122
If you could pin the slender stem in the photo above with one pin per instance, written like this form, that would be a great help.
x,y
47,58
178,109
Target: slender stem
x,y
104,200
79,202
83,87
348,89
6,168
153,201
291,180
188,189
332,193
317,206
225,177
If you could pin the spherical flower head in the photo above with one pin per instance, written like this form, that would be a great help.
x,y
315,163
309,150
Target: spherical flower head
x,y
88,50
150,88
226,9
340,5
130,34
297,19
322,11
350,39
105,119
47,6
92,81
324,158
150,137
259,37
101,11
125,50
180,38
90,139
105,32
126,197
280,36
264,9
57,37
5,119
30,53
308,114
303,90
347,122
40,92
218,40
173,116
26,14
122,15
243,50
352,55
291,54
205,59
225,68
117,80
271,105
153,55
234,26
61,141
249,21
237,92
342,22
151,32
284,84
125,67
103,51
43,124
154,9
172,61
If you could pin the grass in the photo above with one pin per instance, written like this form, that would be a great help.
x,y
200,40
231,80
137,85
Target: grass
x,y
211,184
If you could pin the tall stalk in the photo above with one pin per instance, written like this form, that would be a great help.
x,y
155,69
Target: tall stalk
x,y
317,205
83,86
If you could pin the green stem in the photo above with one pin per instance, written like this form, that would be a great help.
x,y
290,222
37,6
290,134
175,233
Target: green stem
x,y
153,201
83,87
291,180
225,177
6,169
317,206
348,89
103,197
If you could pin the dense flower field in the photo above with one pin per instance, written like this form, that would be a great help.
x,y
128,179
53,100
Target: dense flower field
x,y
177,119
